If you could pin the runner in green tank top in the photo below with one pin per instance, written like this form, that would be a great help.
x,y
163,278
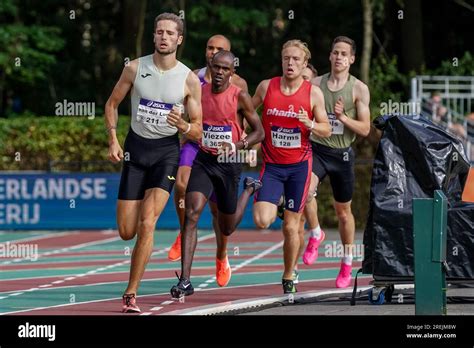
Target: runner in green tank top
x,y
347,105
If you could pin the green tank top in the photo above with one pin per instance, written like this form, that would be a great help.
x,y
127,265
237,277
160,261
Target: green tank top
x,y
342,136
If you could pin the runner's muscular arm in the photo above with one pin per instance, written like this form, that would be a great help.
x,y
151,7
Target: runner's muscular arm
x,y
322,128
123,85
242,84
246,107
319,126
360,126
260,92
193,106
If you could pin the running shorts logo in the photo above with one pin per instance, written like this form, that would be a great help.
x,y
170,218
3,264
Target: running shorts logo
x,y
288,138
213,136
170,177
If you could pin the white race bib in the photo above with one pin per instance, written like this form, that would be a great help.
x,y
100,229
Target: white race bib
x,y
212,136
288,138
153,112
336,125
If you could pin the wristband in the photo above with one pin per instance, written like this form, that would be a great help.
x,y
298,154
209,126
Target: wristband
x,y
188,129
312,124
110,128
246,143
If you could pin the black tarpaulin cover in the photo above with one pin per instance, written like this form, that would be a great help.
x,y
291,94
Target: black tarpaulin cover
x,y
414,158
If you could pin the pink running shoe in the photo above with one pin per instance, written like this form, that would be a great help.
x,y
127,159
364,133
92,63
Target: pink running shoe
x,y
311,253
129,304
344,277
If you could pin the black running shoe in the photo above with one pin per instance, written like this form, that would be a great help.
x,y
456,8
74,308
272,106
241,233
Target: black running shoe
x,y
288,286
251,182
183,288
281,208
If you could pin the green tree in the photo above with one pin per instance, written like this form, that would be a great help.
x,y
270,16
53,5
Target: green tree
x,y
27,49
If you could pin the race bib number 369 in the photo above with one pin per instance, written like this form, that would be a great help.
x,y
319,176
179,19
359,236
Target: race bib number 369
x,y
288,138
212,136
153,112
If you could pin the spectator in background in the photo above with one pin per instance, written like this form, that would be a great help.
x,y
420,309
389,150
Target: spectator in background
x,y
463,133
435,108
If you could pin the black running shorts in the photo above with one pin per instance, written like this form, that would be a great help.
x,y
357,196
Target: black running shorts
x,y
148,163
207,174
338,164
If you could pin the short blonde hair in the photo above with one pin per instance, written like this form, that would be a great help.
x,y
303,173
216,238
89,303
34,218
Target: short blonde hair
x,y
301,45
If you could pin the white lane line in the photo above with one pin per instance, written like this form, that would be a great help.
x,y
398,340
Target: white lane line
x,y
153,269
245,262
74,247
43,236
16,294
258,256
146,313
164,303
156,308
217,308
118,264
159,294
145,280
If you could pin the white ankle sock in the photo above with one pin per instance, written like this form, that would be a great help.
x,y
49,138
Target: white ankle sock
x,y
316,232
347,260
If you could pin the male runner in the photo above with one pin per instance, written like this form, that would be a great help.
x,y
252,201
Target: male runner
x,y
157,81
309,72
347,104
222,134
292,110
189,150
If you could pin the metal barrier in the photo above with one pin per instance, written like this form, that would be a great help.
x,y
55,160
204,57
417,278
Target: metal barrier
x,y
457,93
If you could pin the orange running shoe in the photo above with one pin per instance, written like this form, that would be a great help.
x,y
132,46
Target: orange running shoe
x,y
223,271
175,251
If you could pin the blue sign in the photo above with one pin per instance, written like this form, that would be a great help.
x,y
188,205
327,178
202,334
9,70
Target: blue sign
x,y
77,201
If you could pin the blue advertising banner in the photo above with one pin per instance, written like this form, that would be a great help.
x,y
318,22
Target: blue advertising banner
x,y
76,201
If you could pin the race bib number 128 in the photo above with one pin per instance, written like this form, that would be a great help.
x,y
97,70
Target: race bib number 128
x,y
288,138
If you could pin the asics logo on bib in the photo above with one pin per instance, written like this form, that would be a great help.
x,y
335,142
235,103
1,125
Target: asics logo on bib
x,y
213,135
282,113
286,130
158,105
215,129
